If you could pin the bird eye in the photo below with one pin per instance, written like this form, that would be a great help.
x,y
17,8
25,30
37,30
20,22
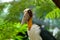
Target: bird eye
x,y
29,11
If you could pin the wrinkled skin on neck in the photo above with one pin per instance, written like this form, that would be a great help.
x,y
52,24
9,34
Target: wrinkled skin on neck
x,y
27,18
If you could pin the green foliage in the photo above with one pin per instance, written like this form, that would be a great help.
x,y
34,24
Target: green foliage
x,y
9,30
10,22
58,36
55,14
1,6
43,8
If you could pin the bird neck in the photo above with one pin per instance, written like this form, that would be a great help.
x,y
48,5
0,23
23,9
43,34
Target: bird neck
x,y
30,23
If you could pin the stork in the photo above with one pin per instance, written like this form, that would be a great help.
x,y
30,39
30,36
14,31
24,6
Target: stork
x,y
35,32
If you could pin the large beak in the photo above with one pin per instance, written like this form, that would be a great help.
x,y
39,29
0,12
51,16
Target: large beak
x,y
25,18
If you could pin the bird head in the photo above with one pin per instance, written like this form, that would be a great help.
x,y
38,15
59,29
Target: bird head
x,y
27,15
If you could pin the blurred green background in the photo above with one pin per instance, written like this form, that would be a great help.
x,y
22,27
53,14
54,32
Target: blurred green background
x,y
11,13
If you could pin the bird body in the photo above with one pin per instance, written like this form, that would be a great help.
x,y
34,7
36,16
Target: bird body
x,y
35,32
38,33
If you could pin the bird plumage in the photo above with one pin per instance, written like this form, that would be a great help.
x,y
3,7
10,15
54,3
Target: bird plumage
x,y
38,33
35,32
46,35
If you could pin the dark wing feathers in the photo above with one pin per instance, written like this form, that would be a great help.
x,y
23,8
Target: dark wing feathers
x,y
46,35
